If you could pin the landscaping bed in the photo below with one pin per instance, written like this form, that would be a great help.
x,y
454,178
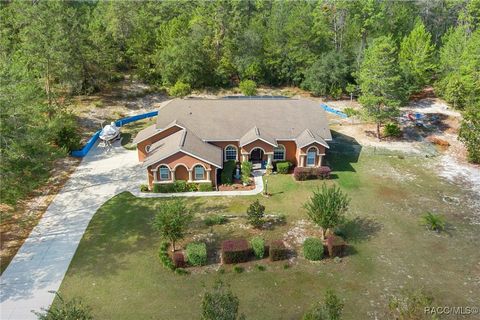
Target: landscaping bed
x,y
237,185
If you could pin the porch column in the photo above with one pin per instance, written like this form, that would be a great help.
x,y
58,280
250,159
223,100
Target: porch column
x,y
269,159
155,176
302,161
208,174
320,160
244,157
190,175
172,173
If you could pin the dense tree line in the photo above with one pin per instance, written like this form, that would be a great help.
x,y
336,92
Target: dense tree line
x,y
52,49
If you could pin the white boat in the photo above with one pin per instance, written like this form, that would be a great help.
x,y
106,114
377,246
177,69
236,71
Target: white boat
x,y
110,132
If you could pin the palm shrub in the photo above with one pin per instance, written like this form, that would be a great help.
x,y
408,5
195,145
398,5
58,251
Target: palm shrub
x,y
255,214
220,304
246,171
433,221
331,309
258,246
327,206
72,309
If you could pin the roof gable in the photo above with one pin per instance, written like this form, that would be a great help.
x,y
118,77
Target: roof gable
x,y
256,134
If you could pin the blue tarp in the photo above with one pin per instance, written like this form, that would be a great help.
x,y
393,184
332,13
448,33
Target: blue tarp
x,y
338,113
119,123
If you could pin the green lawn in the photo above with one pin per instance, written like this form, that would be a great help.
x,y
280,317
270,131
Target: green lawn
x,y
117,272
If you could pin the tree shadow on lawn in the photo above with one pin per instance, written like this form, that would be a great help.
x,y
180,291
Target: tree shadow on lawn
x,y
122,226
344,150
359,229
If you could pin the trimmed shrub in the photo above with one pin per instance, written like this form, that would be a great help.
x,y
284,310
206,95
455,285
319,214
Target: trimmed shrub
x,y
313,249
255,214
235,251
191,187
258,246
180,186
215,219
248,87
278,251
392,130
144,188
238,269
334,246
283,166
179,260
306,173
197,253
163,188
180,89
164,257
227,172
247,167
205,186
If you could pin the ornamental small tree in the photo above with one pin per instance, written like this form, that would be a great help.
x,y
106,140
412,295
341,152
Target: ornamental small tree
x,y
220,304
172,220
326,207
255,213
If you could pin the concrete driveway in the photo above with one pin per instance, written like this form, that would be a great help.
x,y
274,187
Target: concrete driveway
x,y
43,260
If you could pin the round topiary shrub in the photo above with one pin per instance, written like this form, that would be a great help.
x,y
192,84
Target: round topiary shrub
x,y
313,249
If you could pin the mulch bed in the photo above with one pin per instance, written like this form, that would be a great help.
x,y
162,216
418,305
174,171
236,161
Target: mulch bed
x,y
237,186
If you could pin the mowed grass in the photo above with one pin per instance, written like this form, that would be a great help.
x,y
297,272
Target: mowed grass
x,y
117,272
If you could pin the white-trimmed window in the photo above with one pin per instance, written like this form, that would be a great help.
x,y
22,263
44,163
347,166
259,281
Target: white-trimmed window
x,y
199,172
230,153
147,148
311,156
279,153
164,173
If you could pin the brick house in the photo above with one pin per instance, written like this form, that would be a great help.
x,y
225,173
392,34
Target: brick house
x,y
192,138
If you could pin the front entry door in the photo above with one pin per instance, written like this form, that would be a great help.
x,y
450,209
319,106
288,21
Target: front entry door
x,y
256,155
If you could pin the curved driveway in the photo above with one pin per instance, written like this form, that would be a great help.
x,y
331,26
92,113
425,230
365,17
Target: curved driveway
x,y
42,261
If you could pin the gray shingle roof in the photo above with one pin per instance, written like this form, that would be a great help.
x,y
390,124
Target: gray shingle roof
x,y
184,141
231,119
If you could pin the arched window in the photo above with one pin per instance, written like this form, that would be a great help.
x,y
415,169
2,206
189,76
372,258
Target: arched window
x,y
164,173
311,156
199,172
279,153
230,153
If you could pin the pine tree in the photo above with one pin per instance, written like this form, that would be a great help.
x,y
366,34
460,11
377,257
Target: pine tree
x,y
416,58
380,80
